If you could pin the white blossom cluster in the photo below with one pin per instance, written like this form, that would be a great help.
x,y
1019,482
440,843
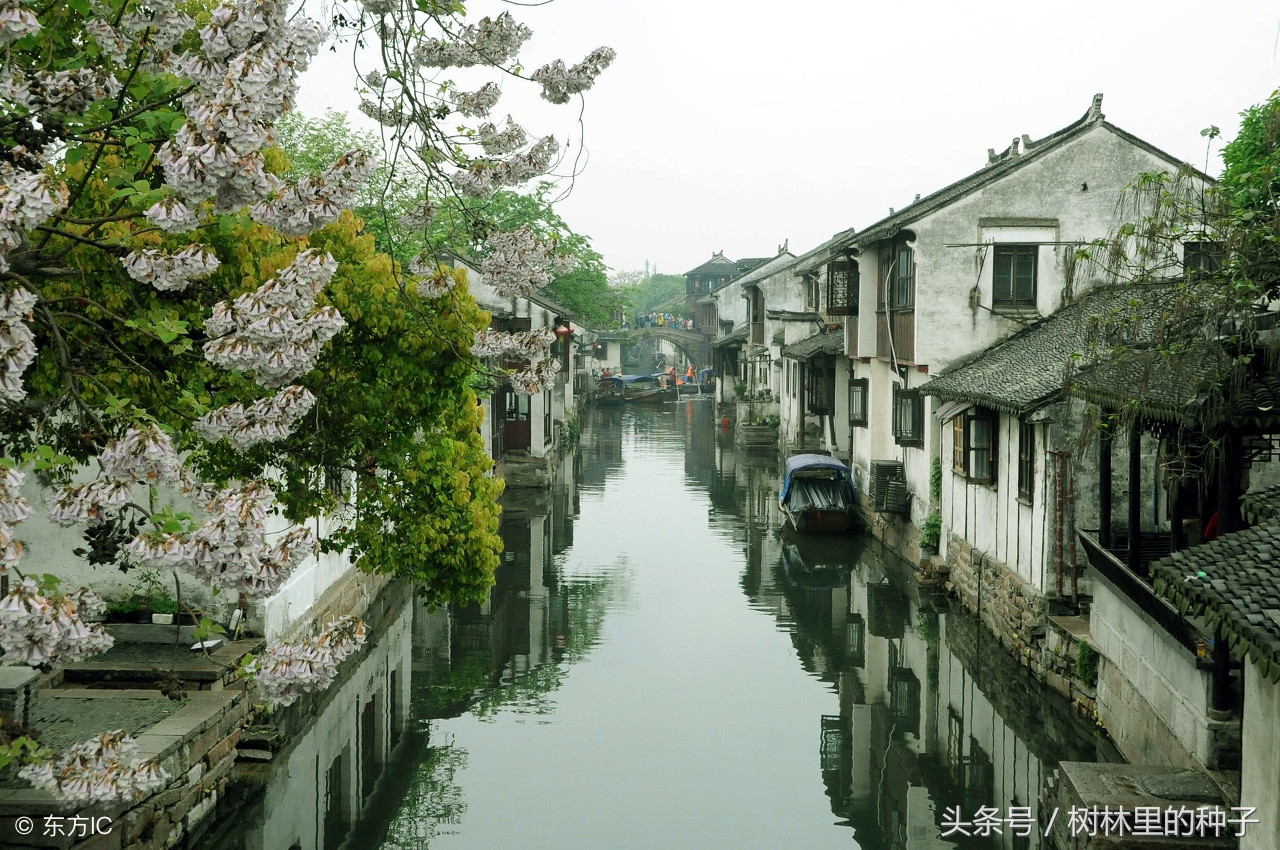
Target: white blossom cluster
x,y
143,456
287,671
246,78
387,116
520,262
230,551
165,22
27,200
316,200
274,331
560,83
498,142
536,377
173,216
16,21
435,282
419,216
531,344
37,630
264,421
478,103
13,510
74,89
96,771
114,43
491,41
17,342
170,272
482,177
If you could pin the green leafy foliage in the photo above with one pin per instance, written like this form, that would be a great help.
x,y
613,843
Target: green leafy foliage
x,y
395,414
1087,664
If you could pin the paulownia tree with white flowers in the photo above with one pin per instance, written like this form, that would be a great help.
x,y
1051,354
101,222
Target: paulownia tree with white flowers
x,y
176,318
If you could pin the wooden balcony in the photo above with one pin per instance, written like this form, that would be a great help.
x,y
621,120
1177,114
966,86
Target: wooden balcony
x,y
904,335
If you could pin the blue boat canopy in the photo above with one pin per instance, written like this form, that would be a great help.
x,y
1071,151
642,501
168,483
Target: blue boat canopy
x,y
795,463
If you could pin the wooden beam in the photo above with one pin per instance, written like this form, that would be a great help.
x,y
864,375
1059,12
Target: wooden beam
x,y
1104,483
1135,498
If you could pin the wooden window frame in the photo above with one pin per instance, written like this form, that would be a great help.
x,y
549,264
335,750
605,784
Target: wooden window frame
x,y
858,417
897,272
957,445
1009,298
547,422
1203,258
842,287
980,458
909,434
904,279
1026,461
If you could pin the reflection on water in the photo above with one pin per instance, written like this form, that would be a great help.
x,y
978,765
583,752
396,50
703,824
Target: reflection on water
x,y
658,667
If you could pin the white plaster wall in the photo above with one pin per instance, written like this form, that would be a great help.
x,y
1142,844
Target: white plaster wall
x,y
949,324
308,583
1260,770
991,517
293,806
47,548
1162,674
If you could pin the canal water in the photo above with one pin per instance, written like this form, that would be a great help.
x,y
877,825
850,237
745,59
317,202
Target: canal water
x,y
658,667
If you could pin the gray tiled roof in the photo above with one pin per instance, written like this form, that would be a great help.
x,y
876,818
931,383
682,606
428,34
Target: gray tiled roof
x,y
1261,507
718,264
739,335
793,315
1030,368
819,343
1001,164
1234,583
778,263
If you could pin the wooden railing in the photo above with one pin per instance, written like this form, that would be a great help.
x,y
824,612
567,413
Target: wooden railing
x,y
1139,591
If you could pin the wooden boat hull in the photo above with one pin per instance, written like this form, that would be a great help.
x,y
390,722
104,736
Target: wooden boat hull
x,y
658,396
694,389
820,522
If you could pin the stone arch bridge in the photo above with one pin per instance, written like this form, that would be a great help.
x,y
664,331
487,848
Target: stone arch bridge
x,y
692,344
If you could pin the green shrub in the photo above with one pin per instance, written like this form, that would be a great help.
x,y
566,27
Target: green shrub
x,y
1087,664
931,533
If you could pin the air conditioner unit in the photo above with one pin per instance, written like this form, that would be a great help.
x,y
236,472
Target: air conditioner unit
x,y
888,488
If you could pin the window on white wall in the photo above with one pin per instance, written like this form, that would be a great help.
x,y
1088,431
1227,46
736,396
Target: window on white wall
x,y
1026,460
974,445
908,417
858,402
1014,276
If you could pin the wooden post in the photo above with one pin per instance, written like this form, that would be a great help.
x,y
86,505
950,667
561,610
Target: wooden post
x,y
1135,497
1104,483
1221,672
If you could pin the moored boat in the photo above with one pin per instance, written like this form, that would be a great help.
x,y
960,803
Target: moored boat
x,y
817,494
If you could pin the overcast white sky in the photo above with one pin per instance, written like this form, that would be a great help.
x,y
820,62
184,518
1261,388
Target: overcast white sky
x,y
735,124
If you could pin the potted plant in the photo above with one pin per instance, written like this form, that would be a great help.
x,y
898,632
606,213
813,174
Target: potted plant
x,y
162,610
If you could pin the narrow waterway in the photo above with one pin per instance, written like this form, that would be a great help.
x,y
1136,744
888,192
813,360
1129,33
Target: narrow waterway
x,y
658,668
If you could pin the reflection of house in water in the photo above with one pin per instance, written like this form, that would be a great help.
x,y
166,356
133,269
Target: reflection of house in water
x,y
930,716
320,786
600,451
937,717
